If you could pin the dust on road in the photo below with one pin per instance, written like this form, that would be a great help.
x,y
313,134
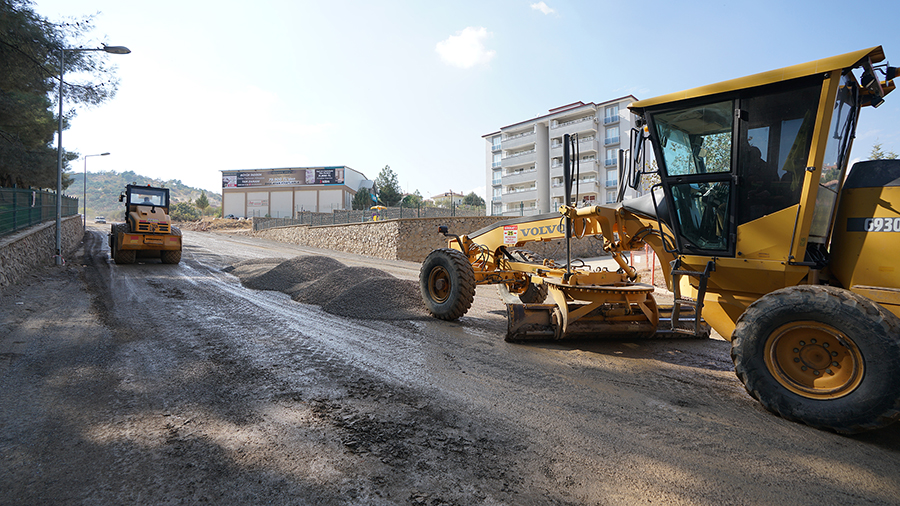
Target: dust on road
x,y
160,384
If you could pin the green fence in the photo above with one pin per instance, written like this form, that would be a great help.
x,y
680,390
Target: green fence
x,y
22,208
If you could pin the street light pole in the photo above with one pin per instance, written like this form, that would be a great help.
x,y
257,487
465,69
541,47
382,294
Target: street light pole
x,y
59,165
84,194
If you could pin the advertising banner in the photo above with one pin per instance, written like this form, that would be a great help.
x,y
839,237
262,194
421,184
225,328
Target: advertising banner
x,y
284,177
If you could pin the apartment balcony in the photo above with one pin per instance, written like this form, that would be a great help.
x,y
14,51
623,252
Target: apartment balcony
x,y
587,164
495,182
519,140
611,120
612,183
610,162
609,141
496,147
520,158
585,143
520,209
519,195
519,177
586,126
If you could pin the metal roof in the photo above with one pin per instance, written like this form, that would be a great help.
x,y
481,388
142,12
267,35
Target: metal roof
x,y
773,76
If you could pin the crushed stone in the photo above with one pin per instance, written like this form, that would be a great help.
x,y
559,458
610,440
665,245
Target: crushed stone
x,y
252,268
354,292
380,299
292,272
321,291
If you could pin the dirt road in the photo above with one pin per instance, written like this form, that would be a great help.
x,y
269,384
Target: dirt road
x,y
161,384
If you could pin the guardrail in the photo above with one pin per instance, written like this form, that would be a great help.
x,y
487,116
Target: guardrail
x,y
22,208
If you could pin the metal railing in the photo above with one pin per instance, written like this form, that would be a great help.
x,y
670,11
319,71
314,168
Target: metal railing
x,y
22,208
342,217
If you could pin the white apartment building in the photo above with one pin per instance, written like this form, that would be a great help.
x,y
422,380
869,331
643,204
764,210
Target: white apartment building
x,y
525,159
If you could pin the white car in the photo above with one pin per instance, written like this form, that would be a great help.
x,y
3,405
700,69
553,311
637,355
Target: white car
x,y
99,219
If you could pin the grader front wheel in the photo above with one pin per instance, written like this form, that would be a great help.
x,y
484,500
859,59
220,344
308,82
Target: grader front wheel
x,y
447,283
523,291
821,355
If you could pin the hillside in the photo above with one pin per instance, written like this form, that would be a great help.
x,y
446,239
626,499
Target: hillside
x,y
103,189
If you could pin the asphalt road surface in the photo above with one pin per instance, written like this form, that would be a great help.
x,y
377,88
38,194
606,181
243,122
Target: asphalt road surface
x,y
162,384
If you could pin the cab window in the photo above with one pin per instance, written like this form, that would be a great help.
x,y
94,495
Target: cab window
x,y
696,140
695,144
774,141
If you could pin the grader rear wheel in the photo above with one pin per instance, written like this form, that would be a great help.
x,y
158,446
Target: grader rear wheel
x,y
821,355
447,283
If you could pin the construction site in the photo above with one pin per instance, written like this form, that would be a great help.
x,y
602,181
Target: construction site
x,y
731,337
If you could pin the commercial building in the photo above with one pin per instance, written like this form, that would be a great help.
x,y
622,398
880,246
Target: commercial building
x,y
282,193
525,159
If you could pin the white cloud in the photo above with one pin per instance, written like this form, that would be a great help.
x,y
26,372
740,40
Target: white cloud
x,y
466,48
541,6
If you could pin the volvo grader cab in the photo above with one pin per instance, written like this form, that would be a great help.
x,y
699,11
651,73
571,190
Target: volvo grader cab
x,y
764,230
148,230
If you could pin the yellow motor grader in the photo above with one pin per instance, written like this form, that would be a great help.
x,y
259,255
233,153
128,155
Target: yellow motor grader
x,y
763,231
148,230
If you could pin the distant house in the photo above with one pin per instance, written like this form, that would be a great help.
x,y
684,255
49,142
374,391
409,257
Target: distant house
x,y
445,199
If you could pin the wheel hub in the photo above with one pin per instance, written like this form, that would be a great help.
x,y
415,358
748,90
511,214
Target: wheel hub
x,y
439,284
814,360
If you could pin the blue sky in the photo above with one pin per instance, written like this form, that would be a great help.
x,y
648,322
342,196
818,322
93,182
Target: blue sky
x,y
229,85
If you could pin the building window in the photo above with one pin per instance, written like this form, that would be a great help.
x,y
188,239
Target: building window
x,y
612,157
612,178
495,143
611,114
612,136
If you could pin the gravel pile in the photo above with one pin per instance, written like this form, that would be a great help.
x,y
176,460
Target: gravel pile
x,y
355,292
285,276
380,299
252,268
327,287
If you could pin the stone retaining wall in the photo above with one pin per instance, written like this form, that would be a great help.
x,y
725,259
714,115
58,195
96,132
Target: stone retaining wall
x,y
23,251
409,239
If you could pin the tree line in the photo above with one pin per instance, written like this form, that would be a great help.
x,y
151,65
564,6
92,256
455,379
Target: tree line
x,y
387,193
30,70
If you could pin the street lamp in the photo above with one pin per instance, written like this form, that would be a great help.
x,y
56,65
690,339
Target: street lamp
x,y
59,169
84,195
